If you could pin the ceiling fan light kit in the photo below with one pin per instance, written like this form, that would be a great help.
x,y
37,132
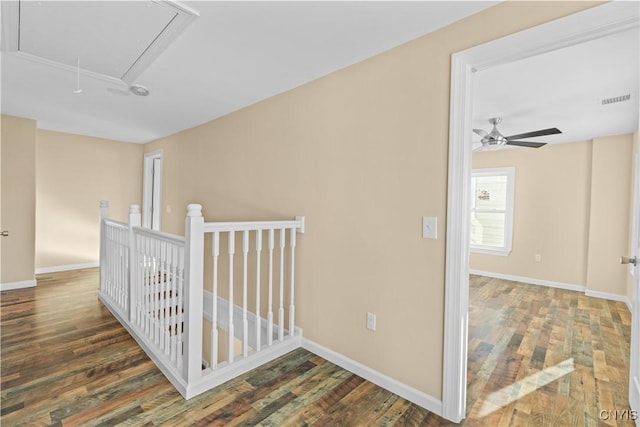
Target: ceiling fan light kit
x,y
495,140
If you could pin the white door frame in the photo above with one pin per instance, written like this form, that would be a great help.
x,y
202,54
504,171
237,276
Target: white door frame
x,y
634,358
593,23
149,186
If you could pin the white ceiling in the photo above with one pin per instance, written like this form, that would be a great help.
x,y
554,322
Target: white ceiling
x,y
233,55
564,89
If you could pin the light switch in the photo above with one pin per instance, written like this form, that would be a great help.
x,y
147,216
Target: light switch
x,y
429,227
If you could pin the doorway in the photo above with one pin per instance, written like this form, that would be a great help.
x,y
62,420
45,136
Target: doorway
x,y
581,27
152,190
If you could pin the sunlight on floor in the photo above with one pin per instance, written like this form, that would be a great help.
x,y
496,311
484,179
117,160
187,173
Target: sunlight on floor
x,y
515,391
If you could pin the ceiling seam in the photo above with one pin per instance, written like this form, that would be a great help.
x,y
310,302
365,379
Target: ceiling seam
x,y
149,46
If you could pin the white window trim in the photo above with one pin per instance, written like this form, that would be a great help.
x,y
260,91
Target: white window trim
x,y
510,173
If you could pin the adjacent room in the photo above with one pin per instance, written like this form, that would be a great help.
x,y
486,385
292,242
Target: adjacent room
x,y
550,220
249,213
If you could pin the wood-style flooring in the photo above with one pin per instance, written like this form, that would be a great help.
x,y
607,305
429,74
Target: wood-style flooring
x,y
537,356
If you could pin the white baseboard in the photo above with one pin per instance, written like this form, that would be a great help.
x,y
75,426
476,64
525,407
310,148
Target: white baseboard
x,y
609,296
418,397
559,285
17,285
67,267
530,280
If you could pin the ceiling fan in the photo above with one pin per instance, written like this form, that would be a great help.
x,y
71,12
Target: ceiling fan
x,y
495,139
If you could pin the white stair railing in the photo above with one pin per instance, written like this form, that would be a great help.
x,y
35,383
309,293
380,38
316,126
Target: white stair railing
x,y
153,283
250,237
157,289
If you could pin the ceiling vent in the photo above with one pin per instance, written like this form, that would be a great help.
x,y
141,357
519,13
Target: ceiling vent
x,y
616,99
114,40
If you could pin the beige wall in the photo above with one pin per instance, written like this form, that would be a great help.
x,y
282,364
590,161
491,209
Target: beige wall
x,y
571,207
551,212
74,173
363,154
609,234
18,199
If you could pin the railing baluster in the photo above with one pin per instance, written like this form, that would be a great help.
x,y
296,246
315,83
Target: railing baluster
x,y
167,299
154,295
163,296
245,320
147,285
121,261
214,309
292,308
143,283
270,298
140,278
179,309
258,321
118,250
232,247
174,303
148,309
281,306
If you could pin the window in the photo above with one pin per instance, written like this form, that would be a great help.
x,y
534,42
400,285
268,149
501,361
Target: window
x,y
492,210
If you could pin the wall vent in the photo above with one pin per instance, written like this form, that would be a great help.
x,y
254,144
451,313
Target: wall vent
x,y
616,99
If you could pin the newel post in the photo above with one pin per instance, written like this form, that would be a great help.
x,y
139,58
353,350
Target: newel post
x,y
134,221
193,292
104,213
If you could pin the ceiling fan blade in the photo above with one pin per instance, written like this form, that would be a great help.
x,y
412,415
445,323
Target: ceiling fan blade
x,y
543,132
481,132
530,144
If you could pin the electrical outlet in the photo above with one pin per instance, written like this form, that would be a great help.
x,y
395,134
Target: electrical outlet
x,y
371,321
538,257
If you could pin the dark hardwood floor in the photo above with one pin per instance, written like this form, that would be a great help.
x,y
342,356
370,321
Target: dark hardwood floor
x,y
537,356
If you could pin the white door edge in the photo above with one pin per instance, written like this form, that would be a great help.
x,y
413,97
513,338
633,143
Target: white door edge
x,y
151,215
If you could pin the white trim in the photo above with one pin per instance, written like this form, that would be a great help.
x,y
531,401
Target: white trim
x,y
558,285
635,383
593,23
489,251
530,280
418,397
510,173
67,267
184,16
17,285
211,379
609,296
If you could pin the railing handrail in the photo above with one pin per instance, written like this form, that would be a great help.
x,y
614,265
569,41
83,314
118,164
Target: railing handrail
x,y
116,224
160,235
210,227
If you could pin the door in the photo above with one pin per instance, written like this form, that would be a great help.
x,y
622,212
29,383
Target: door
x,y
152,190
634,271
155,194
